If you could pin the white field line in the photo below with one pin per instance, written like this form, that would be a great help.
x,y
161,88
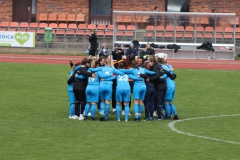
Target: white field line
x,y
172,127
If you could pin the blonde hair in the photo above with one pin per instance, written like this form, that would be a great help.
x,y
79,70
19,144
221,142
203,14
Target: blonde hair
x,y
93,62
107,61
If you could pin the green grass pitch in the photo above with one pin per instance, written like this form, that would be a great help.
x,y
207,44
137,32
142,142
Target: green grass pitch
x,y
34,122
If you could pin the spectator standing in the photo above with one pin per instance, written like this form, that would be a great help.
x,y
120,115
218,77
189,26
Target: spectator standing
x,y
184,8
93,43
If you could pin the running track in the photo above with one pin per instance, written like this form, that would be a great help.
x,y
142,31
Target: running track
x,y
177,63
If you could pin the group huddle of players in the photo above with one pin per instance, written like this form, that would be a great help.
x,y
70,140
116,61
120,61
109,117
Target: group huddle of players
x,y
98,82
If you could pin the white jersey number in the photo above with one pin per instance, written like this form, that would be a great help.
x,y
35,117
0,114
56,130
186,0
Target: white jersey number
x,y
123,78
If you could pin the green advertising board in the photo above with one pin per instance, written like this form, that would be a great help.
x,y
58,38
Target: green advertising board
x,y
48,34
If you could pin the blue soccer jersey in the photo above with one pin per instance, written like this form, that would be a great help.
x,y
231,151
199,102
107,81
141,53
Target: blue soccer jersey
x,y
123,87
139,87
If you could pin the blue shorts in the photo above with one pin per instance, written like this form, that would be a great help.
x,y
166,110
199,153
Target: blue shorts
x,y
71,97
105,93
92,95
139,92
122,96
169,95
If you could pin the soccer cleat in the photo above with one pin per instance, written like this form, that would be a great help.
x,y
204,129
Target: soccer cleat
x,y
136,119
75,117
113,112
85,118
176,117
126,120
89,113
81,117
167,118
123,113
92,119
99,113
102,118
129,114
154,114
70,117
118,120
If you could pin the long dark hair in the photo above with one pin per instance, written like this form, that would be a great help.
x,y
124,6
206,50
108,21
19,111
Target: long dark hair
x,y
97,63
85,61
134,64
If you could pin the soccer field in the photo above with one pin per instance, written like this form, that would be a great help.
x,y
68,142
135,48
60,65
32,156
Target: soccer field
x,y
34,121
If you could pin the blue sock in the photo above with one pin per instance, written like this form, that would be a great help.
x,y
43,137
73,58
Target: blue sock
x,y
71,109
126,109
93,110
107,108
173,109
87,108
136,110
102,104
140,110
167,108
118,111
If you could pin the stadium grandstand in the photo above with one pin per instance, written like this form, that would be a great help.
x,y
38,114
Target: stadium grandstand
x,y
121,22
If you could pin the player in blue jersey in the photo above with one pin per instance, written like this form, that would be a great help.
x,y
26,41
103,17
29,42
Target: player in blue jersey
x,y
92,92
105,88
139,88
170,92
123,92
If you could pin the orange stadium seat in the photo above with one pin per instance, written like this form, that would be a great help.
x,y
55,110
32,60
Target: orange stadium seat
x,y
228,33
61,29
79,33
237,36
109,33
43,25
129,31
188,36
209,29
82,26
62,18
189,29
110,27
71,18
160,29
100,33
11,29
52,18
43,17
80,18
14,25
3,29
91,26
119,19
31,30
71,29
101,27
127,19
23,25
208,36
33,25
40,30
22,30
137,19
4,24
